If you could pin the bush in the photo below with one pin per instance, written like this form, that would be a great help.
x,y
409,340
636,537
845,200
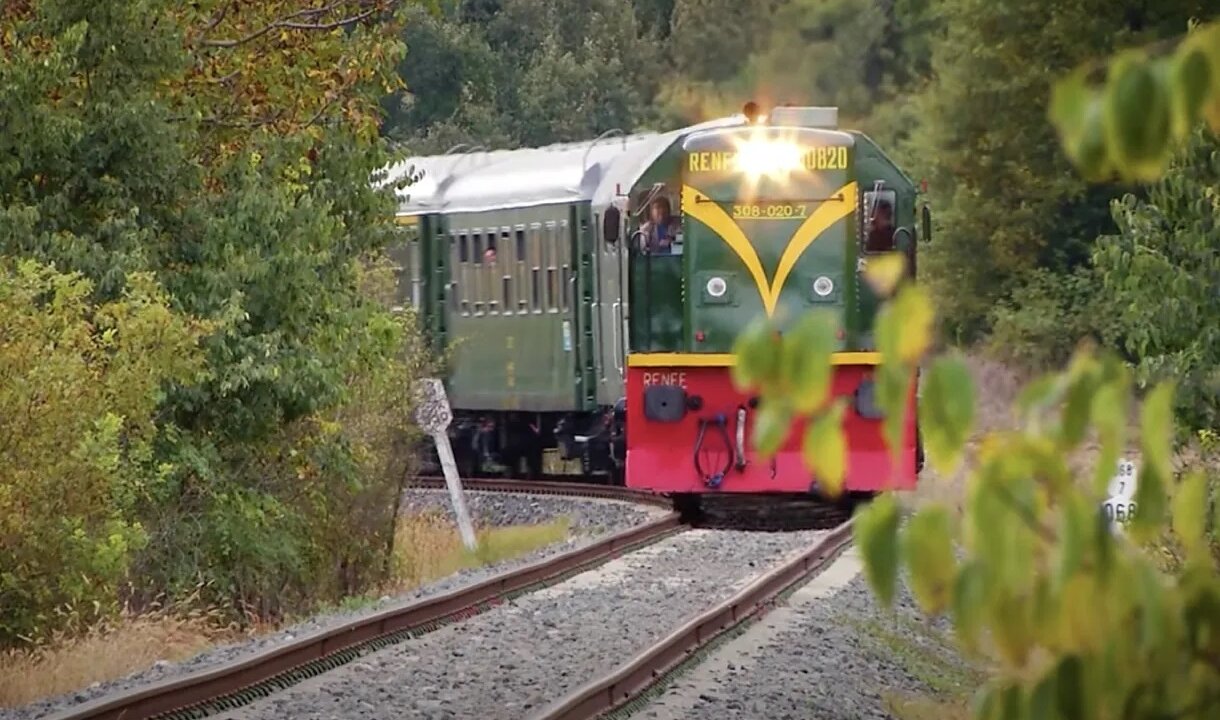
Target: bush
x,y
306,515
1046,318
80,384
1159,280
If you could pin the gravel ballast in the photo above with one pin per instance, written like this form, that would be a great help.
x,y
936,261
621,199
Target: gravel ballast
x,y
830,653
513,659
590,520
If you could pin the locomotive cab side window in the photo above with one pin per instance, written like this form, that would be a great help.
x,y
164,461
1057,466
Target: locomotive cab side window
x,y
879,226
660,222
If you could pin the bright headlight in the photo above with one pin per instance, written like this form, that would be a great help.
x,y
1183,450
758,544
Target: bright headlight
x,y
717,287
823,286
764,157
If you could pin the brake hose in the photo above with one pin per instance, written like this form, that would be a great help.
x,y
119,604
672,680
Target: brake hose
x,y
714,479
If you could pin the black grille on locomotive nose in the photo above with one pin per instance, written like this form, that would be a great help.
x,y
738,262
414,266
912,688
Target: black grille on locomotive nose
x,y
664,403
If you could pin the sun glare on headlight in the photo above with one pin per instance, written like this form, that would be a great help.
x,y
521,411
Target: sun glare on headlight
x,y
757,157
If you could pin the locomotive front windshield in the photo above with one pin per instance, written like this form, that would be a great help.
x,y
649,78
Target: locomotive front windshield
x,y
768,215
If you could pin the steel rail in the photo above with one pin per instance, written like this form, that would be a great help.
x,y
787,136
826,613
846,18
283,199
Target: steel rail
x,y
540,487
243,680
632,681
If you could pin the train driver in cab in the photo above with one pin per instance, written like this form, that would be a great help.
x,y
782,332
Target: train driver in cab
x,y
662,229
881,231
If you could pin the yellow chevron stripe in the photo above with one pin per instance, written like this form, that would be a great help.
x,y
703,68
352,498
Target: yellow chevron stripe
x,y
696,205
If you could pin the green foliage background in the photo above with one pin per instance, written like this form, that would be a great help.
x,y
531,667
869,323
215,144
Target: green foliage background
x,y
192,253
203,391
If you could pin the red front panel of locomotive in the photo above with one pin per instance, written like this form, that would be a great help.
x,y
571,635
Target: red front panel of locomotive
x,y
667,452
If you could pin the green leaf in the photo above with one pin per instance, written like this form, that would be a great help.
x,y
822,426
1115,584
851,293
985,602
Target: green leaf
x,y
805,360
1069,102
757,356
1191,78
969,602
1070,682
876,533
1136,117
825,449
1154,627
1110,418
1076,409
1156,427
1001,699
913,316
772,424
1043,699
1190,511
928,550
946,412
1077,525
1094,158
1156,469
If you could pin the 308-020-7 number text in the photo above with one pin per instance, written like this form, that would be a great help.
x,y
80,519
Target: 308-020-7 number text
x,y
769,211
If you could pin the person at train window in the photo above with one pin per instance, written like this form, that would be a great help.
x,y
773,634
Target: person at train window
x,y
489,257
662,228
881,231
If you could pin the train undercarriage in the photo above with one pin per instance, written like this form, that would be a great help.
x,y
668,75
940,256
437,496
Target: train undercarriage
x,y
516,444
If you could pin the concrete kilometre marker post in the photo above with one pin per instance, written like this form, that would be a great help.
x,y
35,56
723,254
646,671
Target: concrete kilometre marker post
x,y
1120,506
433,415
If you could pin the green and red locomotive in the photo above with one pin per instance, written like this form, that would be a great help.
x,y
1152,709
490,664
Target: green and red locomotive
x,y
590,294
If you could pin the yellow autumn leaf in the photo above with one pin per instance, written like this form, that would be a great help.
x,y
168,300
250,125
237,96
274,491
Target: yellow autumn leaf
x,y
913,315
825,449
884,272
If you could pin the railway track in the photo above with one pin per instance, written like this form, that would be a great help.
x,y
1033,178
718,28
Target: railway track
x,y
236,683
310,659
630,686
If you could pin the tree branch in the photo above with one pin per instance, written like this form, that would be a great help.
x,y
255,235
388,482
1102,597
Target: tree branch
x,y
217,18
1026,515
321,111
290,22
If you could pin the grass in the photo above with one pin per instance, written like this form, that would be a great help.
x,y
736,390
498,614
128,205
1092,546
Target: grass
x,y
426,547
106,652
916,707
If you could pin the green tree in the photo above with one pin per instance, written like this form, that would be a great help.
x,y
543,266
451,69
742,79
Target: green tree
x,y
225,150
1006,200
829,52
531,72
711,39
1160,276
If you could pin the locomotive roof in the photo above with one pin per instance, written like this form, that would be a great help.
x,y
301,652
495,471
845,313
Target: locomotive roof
x,y
567,172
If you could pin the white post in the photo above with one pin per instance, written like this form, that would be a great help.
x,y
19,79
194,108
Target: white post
x,y
1120,507
433,415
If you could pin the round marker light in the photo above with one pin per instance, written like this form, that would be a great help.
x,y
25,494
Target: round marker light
x,y
823,286
717,287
